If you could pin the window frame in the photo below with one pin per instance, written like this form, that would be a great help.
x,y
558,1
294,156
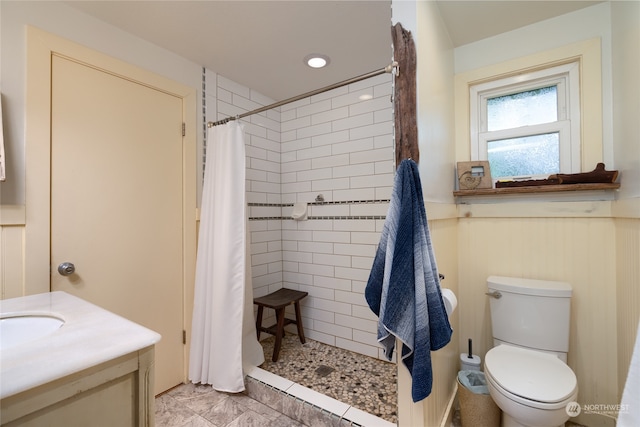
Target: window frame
x,y
567,79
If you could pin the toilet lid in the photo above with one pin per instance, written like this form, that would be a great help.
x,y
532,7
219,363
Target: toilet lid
x,y
530,374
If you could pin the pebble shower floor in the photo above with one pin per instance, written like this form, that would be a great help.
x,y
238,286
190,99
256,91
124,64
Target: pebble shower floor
x,y
363,382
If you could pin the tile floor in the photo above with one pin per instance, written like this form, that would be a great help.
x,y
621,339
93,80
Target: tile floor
x,y
192,405
261,405
310,385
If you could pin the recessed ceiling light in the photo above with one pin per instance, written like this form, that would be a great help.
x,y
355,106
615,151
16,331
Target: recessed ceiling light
x,y
316,60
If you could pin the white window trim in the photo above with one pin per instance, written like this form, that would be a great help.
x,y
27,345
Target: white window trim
x,y
567,78
562,127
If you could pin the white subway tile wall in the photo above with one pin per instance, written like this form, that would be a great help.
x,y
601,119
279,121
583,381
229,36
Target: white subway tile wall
x,y
335,145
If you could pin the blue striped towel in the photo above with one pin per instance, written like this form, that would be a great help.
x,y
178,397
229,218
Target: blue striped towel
x,y
403,289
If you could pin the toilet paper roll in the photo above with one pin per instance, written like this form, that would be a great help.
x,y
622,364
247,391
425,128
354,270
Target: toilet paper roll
x,y
450,300
299,211
469,364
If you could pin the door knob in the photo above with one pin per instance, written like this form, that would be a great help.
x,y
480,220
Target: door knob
x,y
66,268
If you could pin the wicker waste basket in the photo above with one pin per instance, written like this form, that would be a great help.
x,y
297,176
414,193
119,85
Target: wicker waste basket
x,y
477,408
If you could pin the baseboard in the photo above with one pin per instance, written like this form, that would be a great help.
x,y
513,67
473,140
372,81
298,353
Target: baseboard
x,y
447,419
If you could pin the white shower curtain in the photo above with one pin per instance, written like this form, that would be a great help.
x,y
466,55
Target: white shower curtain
x,y
223,338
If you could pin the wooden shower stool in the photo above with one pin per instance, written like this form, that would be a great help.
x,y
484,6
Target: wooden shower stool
x,y
278,301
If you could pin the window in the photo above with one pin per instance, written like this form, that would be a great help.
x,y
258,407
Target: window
x,y
528,125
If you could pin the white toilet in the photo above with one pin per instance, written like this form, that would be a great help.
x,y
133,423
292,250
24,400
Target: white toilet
x,y
526,370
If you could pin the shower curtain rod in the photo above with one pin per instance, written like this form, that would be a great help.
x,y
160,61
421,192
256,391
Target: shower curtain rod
x,y
388,69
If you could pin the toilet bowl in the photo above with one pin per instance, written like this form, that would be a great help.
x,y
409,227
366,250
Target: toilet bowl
x,y
531,387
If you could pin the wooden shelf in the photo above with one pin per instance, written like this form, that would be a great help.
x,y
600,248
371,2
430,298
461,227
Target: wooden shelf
x,y
537,189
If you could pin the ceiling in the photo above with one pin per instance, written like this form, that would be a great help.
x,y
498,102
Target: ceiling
x,y
261,44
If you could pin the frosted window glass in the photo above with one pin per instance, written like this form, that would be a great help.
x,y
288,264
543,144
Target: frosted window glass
x,y
525,156
531,107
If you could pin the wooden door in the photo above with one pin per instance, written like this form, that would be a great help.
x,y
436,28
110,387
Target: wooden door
x,y
117,201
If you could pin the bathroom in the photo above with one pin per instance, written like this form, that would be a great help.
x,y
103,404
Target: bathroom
x,y
591,243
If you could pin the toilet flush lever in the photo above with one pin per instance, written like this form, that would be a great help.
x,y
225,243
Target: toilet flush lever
x,y
495,294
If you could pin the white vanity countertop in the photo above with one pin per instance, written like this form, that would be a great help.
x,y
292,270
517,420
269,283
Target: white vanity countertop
x,y
89,336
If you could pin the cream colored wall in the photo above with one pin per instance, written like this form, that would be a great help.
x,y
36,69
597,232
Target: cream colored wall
x,y
12,221
59,19
62,20
574,246
437,154
627,292
625,17
587,52
580,243
594,245
435,104
625,23
544,38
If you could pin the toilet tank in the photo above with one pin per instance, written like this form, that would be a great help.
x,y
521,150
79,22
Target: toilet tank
x,y
531,313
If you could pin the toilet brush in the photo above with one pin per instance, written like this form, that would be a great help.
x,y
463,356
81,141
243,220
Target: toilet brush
x,y
470,354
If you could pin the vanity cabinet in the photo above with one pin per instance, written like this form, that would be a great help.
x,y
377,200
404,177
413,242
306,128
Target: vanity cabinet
x,y
95,370
115,393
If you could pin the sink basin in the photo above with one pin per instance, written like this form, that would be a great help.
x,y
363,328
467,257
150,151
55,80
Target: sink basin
x,y
18,329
